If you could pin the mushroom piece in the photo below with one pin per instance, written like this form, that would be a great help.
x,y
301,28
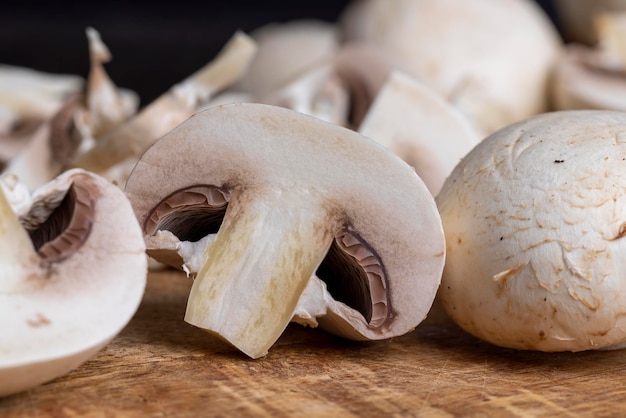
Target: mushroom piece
x,y
257,199
576,18
73,274
339,90
28,98
466,51
75,126
129,140
422,128
30,95
285,52
593,77
534,218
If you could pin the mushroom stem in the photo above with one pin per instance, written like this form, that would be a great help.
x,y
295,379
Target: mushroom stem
x,y
274,244
17,253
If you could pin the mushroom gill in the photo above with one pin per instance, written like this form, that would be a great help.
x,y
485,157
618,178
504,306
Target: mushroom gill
x,y
355,275
61,223
353,272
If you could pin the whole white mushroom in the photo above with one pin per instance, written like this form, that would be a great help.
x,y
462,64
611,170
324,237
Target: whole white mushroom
x,y
535,225
491,58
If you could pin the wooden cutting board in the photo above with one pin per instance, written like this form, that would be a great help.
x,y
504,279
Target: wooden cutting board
x,y
159,366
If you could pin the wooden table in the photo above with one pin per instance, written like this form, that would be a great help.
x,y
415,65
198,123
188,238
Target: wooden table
x,y
159,366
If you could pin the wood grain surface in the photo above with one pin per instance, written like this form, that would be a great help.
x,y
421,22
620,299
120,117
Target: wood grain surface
x,y
159,366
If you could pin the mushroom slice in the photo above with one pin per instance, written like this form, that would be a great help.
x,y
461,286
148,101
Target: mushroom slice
x,y
534,218
319,92
49,149
594,77
289,196
107,105
28,94
131,139
285,52
73,274
422,128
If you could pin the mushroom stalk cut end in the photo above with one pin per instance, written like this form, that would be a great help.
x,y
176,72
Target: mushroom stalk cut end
x,y
275,245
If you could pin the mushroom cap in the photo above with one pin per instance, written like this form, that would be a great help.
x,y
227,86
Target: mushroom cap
x,y
534,218
74,296
467,51
309,175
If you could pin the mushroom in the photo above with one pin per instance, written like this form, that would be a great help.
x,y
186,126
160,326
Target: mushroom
x,y
422,128
534,219
285,52
129,140
73,274
467,51
258,200
30,95
593,77
28,98
75,126
576,18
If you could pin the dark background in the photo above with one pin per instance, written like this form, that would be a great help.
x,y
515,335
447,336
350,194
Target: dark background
x,y
154,44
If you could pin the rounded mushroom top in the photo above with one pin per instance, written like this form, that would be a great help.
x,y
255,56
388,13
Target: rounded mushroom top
x,y
535,218
468,51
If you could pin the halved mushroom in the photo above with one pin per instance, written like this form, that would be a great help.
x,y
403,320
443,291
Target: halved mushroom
x,y
467,51
420,127
534,218
262,199
73,271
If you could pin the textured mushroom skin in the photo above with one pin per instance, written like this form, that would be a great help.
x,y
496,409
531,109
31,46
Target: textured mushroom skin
x,y
534,218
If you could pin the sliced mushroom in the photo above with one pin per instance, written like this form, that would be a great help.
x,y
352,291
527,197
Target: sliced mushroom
x,y
50,147
29,98
107,106
466,51
285,52
27,94
288,196
77,124
534,218
594,77
73,274
131,139
422,128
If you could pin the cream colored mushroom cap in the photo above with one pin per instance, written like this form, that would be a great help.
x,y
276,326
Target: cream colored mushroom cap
x,y
492,58
62,312
535,218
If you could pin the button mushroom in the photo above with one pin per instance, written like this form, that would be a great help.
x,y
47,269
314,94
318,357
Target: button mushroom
x,y
467,51
73,272
257,199
534,218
